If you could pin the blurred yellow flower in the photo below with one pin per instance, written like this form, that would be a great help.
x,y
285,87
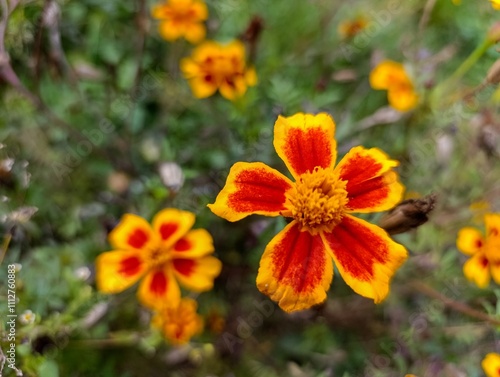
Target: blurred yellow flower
x,y
181,18
180,323
350,28
391,76
162,254
491,365
457,2
213,67
484,251
495,4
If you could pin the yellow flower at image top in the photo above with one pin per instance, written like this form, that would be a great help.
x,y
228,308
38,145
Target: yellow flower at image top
x,y
213,66
296,268
350,28
495,4
181,19
163,253
180,323
392,76
491,365
484,251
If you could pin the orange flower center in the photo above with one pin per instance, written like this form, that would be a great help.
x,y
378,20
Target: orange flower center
x,y
222,68
158,257
318,200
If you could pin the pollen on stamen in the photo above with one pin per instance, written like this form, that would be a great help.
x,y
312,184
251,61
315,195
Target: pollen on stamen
x,y
318,200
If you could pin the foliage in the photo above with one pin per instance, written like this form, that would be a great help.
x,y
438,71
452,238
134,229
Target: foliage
x,y
101,105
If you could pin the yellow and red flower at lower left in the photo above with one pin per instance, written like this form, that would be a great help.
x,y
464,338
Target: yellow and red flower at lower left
x,y
163,254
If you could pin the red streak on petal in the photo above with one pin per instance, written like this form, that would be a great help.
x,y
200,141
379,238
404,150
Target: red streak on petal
x,y
182,245
167,229
367,194
184,266
158,284
494,232
138,238
479,244
258,190
484,262
307,149
359,169
130,266
357,249
299,260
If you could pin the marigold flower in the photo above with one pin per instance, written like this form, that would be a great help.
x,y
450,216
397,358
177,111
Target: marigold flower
x,y
213,67
351,28
180,323
391,76
495,4
163,254
491,365
181,18
296,268
484,251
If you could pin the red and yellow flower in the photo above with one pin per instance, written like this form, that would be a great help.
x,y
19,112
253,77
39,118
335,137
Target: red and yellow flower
x,y
484,251
296,268
351,28
213,67
392,76
181,19
162,254
180,323
491,365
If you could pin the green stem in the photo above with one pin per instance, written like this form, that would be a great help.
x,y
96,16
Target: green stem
x,y
468,63
471,60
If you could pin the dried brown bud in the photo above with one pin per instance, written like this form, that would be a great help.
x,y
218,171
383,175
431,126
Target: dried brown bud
x,y
408,214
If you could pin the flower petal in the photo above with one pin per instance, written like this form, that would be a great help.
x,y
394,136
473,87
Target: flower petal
x,y
133,233
295,269
492,222
179,324
169,30
469,240
491,364
159,289
118,270
495,271
251,76
371,184
387,74
171,224
305,141
402,98
477,270
195,33
160,11
197,243
251,188
200,10
197,274
202,86
365,256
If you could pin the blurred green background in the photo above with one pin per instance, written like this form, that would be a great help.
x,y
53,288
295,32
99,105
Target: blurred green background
x,y
94,107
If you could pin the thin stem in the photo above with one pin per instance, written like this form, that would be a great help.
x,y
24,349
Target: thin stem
x,y
455,305
471,60
450,83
